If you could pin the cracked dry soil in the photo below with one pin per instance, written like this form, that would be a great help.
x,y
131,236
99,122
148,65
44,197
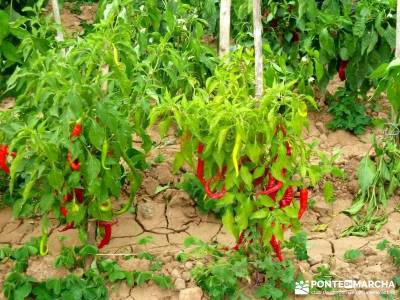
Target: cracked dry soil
x,y
170,216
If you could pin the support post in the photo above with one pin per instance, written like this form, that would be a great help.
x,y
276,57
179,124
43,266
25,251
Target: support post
x,y
57,19
257,25
398,30
224,27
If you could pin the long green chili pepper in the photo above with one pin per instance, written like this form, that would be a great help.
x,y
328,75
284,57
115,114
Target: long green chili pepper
x,y
104,153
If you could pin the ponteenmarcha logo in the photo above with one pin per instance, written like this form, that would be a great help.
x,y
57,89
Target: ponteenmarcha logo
x,y
302,288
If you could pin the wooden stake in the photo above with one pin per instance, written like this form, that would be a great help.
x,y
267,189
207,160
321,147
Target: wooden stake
x,y
224,27
57,19
258,48
91,234
398,30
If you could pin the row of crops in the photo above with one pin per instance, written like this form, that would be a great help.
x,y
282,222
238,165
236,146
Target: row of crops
x,y
66,144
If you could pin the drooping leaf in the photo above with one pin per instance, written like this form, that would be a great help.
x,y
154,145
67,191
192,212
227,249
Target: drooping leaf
x,y
366,173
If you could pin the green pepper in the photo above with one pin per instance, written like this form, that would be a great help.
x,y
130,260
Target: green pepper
x,y
43,247
106,206
104,153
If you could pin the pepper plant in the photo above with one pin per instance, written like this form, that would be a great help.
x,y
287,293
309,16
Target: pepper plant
x,y
67,143
251,158
35,33
379,177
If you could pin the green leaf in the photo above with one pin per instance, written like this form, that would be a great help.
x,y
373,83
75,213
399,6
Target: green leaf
x,y
266,200
143,277
244,211
55,178
88,250
46,202
352,254
382,245
253,151
163,281
356,207
226,200
327,43
246,176
395,63
291,212
4,25
260,214
192,241
116,275
9,51
92,168
222,137
366,173
328,192
178,161
23,291
373,40
319,70
258,172
268,291
96,135
229,222
359,26
393,93
146,240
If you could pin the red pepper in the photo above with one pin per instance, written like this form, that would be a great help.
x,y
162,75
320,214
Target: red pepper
x,y
64,211
221,173
67,227
200,164
13,154
277,248
106,223
271,190
239,242
107,236
342,70
287,198
271,181
107,232
213,195
288,149
200,175
260,179
4,149
74,164
79,195
77,130
296,37
3,158
68,197
303,202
